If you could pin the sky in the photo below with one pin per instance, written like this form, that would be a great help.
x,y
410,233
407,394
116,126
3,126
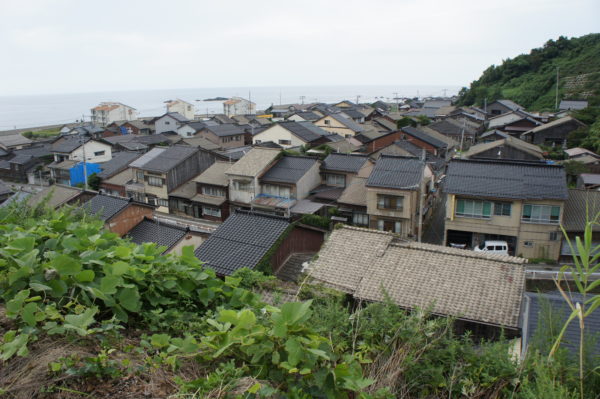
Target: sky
x,y
73,46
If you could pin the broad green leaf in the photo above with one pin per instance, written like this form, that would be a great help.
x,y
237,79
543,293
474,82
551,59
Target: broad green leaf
x,y
17,345
119,268
129,298
246,319
59,287
28,314
39,287
294,350
123,252
85,276
23,244
82,321
228,316
160,340
109,284
15,305
66,265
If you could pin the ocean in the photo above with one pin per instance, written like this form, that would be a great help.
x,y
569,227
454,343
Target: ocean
x,y
17,112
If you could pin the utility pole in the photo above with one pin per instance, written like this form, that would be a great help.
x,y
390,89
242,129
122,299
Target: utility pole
x,y
557,78
85,177
357,98
397,104
302,99
445,90
462,137
421,195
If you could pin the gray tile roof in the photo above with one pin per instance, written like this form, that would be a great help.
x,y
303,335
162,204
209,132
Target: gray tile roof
x,y
578,206
226,129
158,233
169,158
452,282
4,188
437,163
14,140
119,162
147,157
37,151
215,174
572,104
421,135
16,198
253,162
396,172
308,115
304,130
67,144
349,123
511,179
535,306
355,193
452,128
105,206
241,241
56,195
289,169
510,104
344,162
177,116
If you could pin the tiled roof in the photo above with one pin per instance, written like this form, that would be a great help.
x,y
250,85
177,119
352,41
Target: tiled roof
x,y
105,206
67,144
37,151
306,131
16,198
396,172
159,233
509,141
494,132
147,157
289,169
215,174
169,158
56,195
512,179
344,162
4,188
253,162
349,123
579,207
177,116
451,282
306,207
241,241
208,199
201,142
121,178
536,307
119,162
355,193
326,193
558,122
572,104
436,163
308,116
510,104
452,128
421,135
226,129
14,140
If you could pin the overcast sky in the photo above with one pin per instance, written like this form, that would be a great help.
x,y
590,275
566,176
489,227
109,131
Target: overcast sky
x,y
65,46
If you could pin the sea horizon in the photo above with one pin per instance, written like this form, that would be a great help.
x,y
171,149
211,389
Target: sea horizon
x,y
33,110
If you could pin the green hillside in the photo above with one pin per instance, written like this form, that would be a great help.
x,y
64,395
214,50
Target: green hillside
x,y
530,79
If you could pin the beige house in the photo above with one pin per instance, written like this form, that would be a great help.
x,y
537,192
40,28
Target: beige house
x,y
238,106
518,202
291,134
336,123
393,190
181,107
108,112
243,175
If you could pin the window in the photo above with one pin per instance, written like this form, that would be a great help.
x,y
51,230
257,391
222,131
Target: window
x,y
327,122
335,180
163,202
211,211
99,153
473,208
285,142
151,200
553,235
390,202
389,225
502,208
257,141
167,123
276,190
528,244
139,176
360,219
155,181
541,214
214,191
242,185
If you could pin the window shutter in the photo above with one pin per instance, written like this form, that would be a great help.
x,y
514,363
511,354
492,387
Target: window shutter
x,y
487,208
460,206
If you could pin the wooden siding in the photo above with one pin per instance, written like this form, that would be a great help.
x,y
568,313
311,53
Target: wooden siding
x,y
188,169
301,239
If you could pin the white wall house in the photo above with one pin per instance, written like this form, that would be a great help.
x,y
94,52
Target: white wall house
x,y
238,106
278,134
95,151
108,112
169,122
181,107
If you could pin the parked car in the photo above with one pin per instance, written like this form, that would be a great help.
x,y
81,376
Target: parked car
x,y
493,247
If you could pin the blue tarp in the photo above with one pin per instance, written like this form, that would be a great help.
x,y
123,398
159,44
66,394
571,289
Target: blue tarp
x,y
76,172
124,130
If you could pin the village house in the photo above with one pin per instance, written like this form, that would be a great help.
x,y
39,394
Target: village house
x,y
518,202
574,105
243,175
172,238
553,134
73,147
406,148
162,170
58,195
181,107
289,180
425,141
506,148
116,184
169,122
118,214
19,168
483,292
130,127
500,107
338,172
352,203
513,123
393,190
238,106
190,129
205,196
337,123
581,206
14,142
226,135
456,130
307,116
109,112
292,134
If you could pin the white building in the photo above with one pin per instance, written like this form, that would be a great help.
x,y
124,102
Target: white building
x,y
170,122
108,112
181,107
238,106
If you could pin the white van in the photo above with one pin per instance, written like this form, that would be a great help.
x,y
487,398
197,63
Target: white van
x,y
493,247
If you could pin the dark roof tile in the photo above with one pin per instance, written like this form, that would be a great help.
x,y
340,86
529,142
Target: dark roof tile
x,y
289,169
403,173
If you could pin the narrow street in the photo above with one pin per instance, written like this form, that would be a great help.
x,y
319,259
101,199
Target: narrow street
x,y
433,233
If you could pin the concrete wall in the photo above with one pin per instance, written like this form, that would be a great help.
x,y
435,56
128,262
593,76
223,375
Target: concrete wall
x,y
310,180
193,239
90,148
183,108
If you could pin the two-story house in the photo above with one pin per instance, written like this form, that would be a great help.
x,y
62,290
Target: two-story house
x,y
108,112
227,135
205,196
517,202
181,107
289,180
292,134
243,175
169,122
238,106
69,151
338,172
393,190
162,170
339,124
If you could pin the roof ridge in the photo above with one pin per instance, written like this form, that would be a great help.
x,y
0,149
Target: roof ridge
x,y
459,252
